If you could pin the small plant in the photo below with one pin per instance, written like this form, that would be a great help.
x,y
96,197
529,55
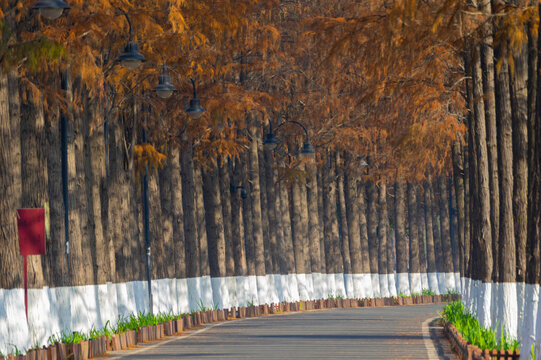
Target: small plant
x,y
428,292
202,307
400,295
468,325
415,295
250,303
331,297
15,350
534,351
339,297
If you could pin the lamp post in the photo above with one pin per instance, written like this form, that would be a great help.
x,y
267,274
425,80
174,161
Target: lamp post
x,y
194,111
243,192
53,9
271,143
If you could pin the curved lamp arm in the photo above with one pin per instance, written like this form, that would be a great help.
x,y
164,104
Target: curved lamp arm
x,y
129,23
292,122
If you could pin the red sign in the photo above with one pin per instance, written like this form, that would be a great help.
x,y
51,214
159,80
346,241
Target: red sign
x,y
31,224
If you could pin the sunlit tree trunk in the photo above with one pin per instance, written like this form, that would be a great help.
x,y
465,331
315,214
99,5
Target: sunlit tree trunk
x,y
177,213
33,170
421,227
413,221
237,225
430,248
354,213
334,263
483,240
275,229
383,226
10,183
265,213
343,224
446,249
401,244
488,78
188,205
458,177
321,212
225,196
372,232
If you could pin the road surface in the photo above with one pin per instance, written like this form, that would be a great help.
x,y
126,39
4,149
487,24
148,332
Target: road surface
x,y
402,332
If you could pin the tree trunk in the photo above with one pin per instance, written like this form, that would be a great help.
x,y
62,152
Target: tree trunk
x,y
201,223
255,195
436,234
248,222
314,231
519,176
365,252
483,241
166,227
214,222
353,212
421,227
226,199
458,176
414,263
430,247
487,58
237,226
334,263
447,252
321,212
299,236
177,212
372,232
287,255
188,205
343,224
33,171
383,225
275,229
10,183
265,213
401,244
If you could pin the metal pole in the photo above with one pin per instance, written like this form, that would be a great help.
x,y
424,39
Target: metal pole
x,y
146,225
64,151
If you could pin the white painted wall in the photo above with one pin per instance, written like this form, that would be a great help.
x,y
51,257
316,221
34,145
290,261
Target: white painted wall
x,y
52,310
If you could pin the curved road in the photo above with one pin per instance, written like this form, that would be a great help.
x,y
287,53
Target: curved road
x,y
361,333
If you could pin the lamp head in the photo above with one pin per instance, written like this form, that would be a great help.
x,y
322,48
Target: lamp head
x,y
195,111
50,9
270,141
307,149
131,58
164,89
362,161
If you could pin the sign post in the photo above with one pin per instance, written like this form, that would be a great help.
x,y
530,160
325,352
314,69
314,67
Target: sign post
x,y
31,226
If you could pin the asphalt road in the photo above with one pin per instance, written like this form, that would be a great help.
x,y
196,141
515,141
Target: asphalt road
x,y
362,333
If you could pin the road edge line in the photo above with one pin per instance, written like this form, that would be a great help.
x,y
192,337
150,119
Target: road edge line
x,y
429,343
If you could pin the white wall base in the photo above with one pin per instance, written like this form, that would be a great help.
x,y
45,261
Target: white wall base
x,y
317,280
416,284
324,284
433,283
331,286
273,289
279,287
404,283
19,334
348,284
384,285
358,286
293,287
252,296
392,284
424,281
457,282
375,285
232,290
340,285
220,292
303,287
243,289
182,294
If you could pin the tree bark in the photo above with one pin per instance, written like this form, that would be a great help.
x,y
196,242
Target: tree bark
x,y
275,228
446,248
10,183
483,240
401,242
249,241
287,257
430,247
298,219
188,205
383,226
237,226
177,212
226,199
314,231
487,58
321,212
334,263
255,195
33,171
413,218
343,223
372,227
265,213
458,176
201,223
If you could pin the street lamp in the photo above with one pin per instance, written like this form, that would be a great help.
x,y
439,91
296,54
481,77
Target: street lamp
x,y
194,111
131,58
50,9
164,89
271,143
243,191
362,161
